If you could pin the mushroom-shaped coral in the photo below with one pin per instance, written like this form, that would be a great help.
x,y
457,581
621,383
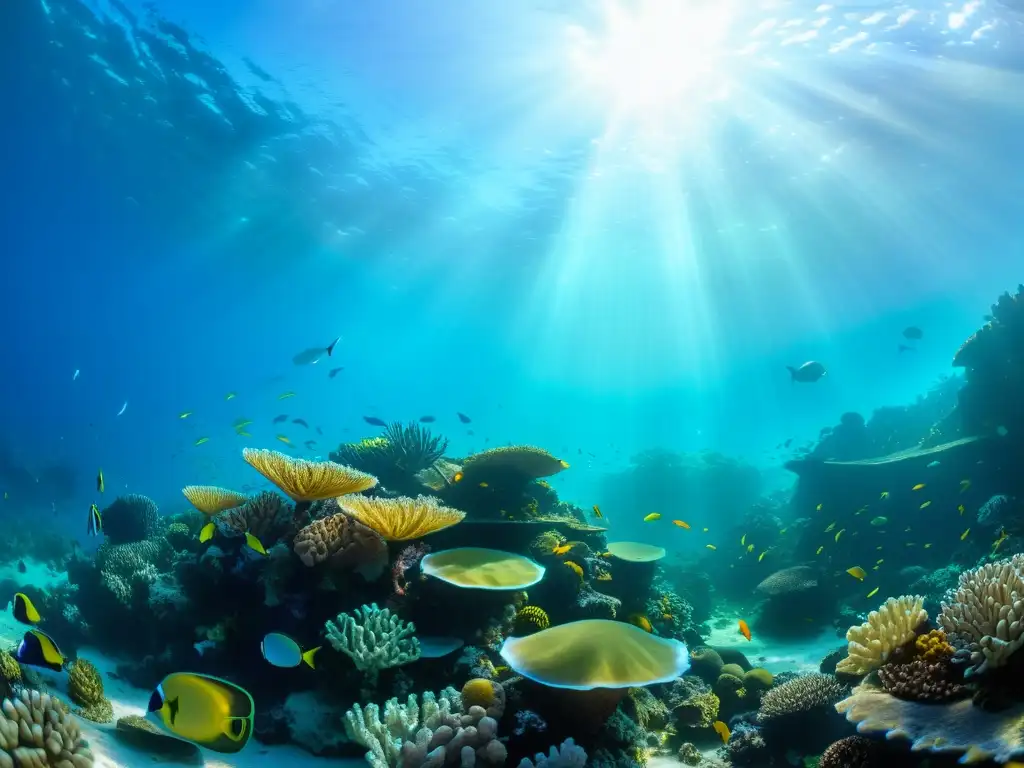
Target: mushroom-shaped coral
x,y
596,653
212,500
307,481
130,518
85,687
892,625
635,551
480,568
374,639
987,612
851,752
36,732
523,460
343,540
800,695
401,519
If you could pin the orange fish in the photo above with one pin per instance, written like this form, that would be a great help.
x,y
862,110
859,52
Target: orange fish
x,y
744,629
561,550
681,524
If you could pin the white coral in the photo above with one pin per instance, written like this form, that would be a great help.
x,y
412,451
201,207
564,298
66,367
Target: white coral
x,y
886,629
986,612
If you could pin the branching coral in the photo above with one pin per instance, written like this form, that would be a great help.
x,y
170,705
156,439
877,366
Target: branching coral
x,y
800,695
433,734
374,639
892,625
130,518
36,732
401,519
307,481
486,694
986,612
85,687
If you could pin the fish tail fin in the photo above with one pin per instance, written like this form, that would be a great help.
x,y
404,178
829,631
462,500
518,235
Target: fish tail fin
x,y
308,656
792,372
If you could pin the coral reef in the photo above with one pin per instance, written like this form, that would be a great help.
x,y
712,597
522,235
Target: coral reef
x,y
404,458
130,518
85,687
851,752
307,481
374,639
36,732
814,691
566,755
921,680
401,519
892,625
344,541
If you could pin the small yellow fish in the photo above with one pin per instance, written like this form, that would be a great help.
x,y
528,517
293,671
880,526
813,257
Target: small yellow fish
x,y
242,424
857,572
561,549
873,592
743,540
782,532
818,508
750,547
885,495
879,561
597,512
484,485
878,548
230,396
875,567
839,533
207,532
201,440
652,517
722,730
284,439
965,534
925,505
100,485
831,527
820,549
918,487
184,414
1003,536
574,567
286,395
243,433
254,544
711,546
961,509
910,544
907,529
604,576
964,485
761,556
928,545
681,524
705,530
457,477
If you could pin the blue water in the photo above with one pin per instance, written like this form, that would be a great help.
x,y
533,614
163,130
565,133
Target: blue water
x,y
574,234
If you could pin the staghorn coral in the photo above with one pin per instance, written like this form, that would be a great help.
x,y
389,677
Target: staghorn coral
x,y
851,752
345,541
374,639
522,461
37,732
435,733
800,695
130,518
85,687
892,625
489,695
921,680
211,499
401,519
307,481
530,619
266,516
986,611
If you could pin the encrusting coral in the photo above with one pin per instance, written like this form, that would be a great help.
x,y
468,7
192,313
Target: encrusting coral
x,y
434,734
36,732
211,499
800,695
986,612
345,541
307,481
891,626
374,639
401,519
130,518
85,687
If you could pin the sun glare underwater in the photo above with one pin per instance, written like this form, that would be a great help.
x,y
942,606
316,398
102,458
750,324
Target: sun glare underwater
x,y
616,383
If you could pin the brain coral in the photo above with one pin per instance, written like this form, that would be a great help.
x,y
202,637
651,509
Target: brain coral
x,y
266,516
35,732
800,695
892,625
986,611
344,540
130,518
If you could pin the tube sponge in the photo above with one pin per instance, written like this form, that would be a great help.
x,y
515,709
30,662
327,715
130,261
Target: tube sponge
x,y
892,625
374,639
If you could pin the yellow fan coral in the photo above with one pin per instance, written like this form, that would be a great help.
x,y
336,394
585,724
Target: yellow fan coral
x,y
480,568
596,653
307,480
402,518
523,460
211,500
886,629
